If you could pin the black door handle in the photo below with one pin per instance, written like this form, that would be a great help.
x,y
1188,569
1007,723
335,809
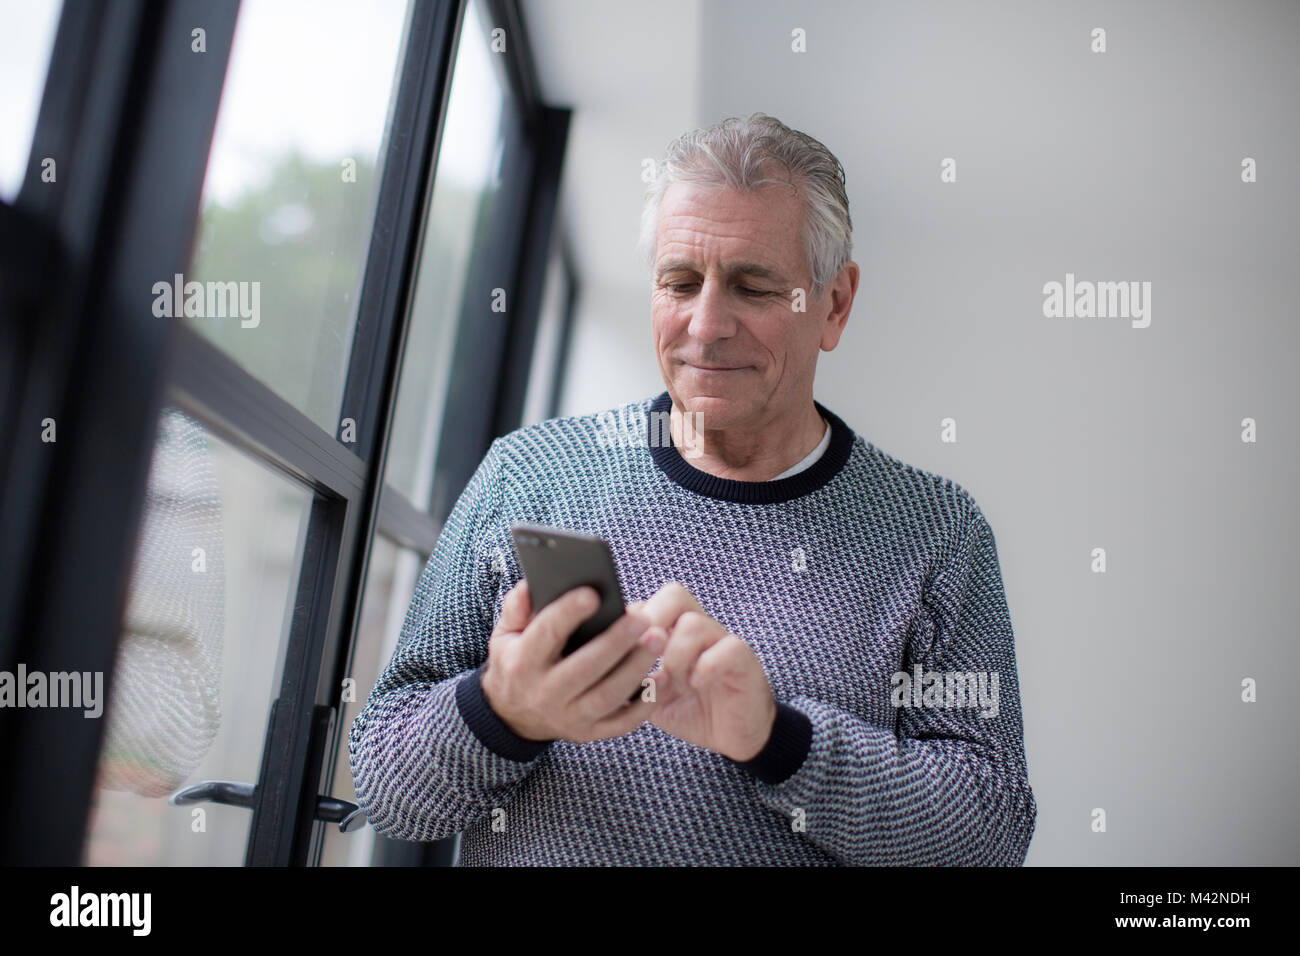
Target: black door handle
x,y
328,809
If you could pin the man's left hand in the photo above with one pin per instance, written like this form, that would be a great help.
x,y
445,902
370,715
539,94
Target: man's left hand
x,y
710,690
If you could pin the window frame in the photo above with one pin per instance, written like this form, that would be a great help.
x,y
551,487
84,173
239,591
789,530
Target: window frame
x,y
485,349
126,97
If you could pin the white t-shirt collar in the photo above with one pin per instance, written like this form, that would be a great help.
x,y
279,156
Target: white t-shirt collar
x,y
812,455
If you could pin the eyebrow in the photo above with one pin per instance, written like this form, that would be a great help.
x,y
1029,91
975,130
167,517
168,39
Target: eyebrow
x,y
732,269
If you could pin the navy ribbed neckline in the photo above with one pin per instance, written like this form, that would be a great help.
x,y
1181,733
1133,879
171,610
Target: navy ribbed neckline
x,y
672,464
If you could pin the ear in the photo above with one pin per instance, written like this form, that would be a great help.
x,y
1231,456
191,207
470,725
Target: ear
x,y
841,291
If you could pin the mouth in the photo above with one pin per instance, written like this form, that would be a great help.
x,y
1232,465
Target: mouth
x,y
715,368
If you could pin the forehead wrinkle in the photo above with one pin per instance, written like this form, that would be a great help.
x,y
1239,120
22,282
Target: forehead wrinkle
x,y
731,270
746,232
750,252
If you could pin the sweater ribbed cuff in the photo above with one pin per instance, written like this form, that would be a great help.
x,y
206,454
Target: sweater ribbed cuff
x,y
488,727
786,749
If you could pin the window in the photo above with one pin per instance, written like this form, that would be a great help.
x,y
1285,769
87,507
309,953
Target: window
x,y
291,188
288,198
25,45
464,192
390,582
351,189
199,660
545,376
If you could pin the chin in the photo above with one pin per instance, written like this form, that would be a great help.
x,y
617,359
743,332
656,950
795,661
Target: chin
x,y
715,410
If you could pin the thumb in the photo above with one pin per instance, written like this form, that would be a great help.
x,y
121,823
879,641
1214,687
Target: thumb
x,y
516,609
662,683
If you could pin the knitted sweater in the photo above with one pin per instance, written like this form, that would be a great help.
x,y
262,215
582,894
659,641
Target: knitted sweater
x,y
855,582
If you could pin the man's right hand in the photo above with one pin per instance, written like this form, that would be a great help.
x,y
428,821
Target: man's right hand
x,y
541,695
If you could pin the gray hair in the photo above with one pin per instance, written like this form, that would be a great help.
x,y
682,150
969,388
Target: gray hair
x,y
735,153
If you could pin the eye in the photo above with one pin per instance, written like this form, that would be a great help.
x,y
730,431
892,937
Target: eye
x,y
679,288
752,293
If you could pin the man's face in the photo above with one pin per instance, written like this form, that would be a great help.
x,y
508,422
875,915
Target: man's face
x,y
730,346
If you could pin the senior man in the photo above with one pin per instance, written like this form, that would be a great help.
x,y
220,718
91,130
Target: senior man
x,y
809,597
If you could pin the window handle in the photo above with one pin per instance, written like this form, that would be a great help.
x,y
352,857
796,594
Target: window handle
x,y
333,810
328,809
216,791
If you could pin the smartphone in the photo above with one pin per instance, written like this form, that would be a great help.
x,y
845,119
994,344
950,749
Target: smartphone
x,y
555,560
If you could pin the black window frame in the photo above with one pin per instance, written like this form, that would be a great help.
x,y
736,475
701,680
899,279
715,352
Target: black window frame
x,y
513,256
127,99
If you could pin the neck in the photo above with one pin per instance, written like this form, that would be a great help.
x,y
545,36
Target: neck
x,y
754,452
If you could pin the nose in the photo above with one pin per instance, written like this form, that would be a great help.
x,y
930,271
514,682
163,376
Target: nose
x,y
711,316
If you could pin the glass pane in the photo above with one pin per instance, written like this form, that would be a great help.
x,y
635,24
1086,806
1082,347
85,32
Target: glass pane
x,y
550,325
290,192
199,662
26,43
465,186
390,582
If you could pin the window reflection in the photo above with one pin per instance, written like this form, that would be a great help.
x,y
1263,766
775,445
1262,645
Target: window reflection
x,y
199,660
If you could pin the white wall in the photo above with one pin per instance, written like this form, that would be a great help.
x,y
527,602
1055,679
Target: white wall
x,y
1072,433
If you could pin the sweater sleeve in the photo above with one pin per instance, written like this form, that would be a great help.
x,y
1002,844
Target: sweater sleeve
x,y
950,786
417,751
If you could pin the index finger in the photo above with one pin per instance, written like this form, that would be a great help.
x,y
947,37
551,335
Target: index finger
x,y
668,604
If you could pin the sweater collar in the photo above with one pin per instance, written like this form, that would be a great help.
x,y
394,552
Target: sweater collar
x,y
672,464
